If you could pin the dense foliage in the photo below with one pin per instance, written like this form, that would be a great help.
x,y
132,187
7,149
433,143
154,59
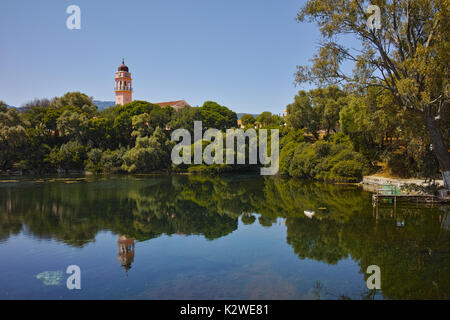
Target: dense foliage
x,y
329,134
408,56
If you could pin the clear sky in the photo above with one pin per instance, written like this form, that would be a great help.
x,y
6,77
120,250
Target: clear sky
x,y
240,53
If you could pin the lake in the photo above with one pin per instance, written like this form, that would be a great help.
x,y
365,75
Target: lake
x,y
236,237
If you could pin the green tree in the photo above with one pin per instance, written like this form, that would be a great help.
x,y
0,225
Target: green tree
x,y
123,115
13,137
248,120
70,156
72,125
100,133
216,116
149,153
264,119
317,109
408,56
78,100
185,117
302,114
141,125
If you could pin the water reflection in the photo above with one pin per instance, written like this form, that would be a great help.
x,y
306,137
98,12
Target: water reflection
x,y
126,251
324,223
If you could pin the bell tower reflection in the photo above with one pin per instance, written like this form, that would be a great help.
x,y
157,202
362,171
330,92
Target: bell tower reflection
x,y
126,251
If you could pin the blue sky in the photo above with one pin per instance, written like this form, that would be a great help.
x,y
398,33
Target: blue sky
x,y
240,53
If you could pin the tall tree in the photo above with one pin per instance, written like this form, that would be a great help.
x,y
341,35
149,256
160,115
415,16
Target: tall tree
x,y
248,119
408,55
78,100
13,137
216,116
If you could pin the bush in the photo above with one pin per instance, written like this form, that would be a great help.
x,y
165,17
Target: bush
x,y
105,161
93,160
112,161
323,161
69,156
150,153
348,170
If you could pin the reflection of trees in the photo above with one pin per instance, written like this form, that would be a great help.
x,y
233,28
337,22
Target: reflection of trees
x,y
141,208
225,195
290,198
315,239
414,259
411,245
248,218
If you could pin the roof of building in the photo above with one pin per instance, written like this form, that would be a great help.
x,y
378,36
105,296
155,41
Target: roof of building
x,y
123,67
178,104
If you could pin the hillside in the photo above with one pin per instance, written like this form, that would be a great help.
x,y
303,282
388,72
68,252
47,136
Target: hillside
x,y
103,104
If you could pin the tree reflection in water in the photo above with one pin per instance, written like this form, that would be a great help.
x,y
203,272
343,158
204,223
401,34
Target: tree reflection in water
x,y
411,244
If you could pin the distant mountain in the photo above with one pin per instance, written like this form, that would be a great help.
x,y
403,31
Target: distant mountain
x,y
239,115
20,109
106,104
103,104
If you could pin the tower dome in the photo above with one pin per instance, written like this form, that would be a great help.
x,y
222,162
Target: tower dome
x,y
123,67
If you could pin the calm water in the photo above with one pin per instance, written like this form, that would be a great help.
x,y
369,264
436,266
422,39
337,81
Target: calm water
x,y
241,237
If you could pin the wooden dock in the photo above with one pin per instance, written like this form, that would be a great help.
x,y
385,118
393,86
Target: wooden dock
x,y
391,196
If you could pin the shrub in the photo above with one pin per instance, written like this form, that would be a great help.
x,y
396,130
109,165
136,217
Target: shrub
x,y
347,170
323,161
69,156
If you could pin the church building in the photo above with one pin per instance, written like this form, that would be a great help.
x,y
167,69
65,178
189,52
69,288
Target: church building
x,y
124,90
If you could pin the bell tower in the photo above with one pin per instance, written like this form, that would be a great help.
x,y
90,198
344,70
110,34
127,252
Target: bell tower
x,y
123,87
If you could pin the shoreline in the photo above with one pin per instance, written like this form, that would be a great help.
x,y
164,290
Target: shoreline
x,y
375,184
374,180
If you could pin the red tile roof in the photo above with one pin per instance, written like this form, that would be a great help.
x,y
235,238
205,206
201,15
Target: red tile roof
x,y
175,104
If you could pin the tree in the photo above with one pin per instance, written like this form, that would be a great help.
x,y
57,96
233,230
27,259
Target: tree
x,y
264,119
149,153
69,156
328,102
78,100
123,118
141,125
72,125
408,56
317,109
36,103
302,115
13,137
248,119
218,117
100,133
185,117
160,117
